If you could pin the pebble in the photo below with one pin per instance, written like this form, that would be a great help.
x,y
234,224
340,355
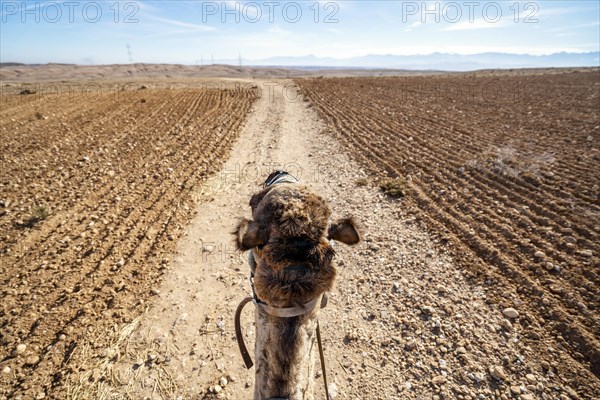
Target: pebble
x,y
21,348
510,313
498,372
506,324
427,310
410,345
32,360
570,239
223,381
572,393
527,397
438,380
531,378
217,388
545,365
586,253
557,268
40,396
6,370
539,254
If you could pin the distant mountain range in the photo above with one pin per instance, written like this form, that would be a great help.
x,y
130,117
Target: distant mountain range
x,y
427,62
434,61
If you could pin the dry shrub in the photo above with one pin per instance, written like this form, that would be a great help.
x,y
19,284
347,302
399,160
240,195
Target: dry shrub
x,y
394,187
361,182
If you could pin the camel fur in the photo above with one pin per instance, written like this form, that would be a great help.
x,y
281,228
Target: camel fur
x,y
290,236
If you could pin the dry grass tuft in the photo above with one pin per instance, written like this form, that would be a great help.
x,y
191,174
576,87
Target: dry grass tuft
x,y
394,187
509,162
361,182
110,379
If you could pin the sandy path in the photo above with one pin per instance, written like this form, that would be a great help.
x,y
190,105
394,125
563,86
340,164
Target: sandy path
x,y
402,323
192,316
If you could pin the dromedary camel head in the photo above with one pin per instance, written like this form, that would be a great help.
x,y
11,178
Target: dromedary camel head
x,y
290,237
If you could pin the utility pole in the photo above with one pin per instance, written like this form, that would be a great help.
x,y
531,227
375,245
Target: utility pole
x,y
131,60
129,54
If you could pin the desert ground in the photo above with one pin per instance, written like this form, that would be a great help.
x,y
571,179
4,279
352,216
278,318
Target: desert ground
x,y
15,72
477,195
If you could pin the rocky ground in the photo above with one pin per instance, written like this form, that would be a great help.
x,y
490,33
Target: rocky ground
x,y
404,322
94,191
504,176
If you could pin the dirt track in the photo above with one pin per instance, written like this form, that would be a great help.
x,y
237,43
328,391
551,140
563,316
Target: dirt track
x,y
409,318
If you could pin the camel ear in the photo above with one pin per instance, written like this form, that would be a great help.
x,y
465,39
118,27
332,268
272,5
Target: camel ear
x,y
257,197
250,234
345,231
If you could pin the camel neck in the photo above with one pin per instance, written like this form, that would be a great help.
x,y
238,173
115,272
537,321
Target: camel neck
x,y
285,356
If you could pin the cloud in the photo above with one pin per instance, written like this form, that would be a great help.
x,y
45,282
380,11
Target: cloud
x,y
546,12
477,24
146,6
571,28
413,25
189,26
278,30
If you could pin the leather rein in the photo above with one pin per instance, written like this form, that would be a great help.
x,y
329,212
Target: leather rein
x,y
286,312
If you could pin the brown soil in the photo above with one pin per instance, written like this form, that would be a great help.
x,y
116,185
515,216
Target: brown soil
x,y
95,190
503,170
128,299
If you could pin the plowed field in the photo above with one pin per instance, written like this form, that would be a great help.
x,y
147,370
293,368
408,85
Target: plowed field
x,y
504,170
95,189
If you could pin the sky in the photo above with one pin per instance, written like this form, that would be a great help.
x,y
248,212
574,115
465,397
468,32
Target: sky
x,y
198,32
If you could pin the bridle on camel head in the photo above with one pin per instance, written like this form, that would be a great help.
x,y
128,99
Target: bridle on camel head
x,y
274,178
